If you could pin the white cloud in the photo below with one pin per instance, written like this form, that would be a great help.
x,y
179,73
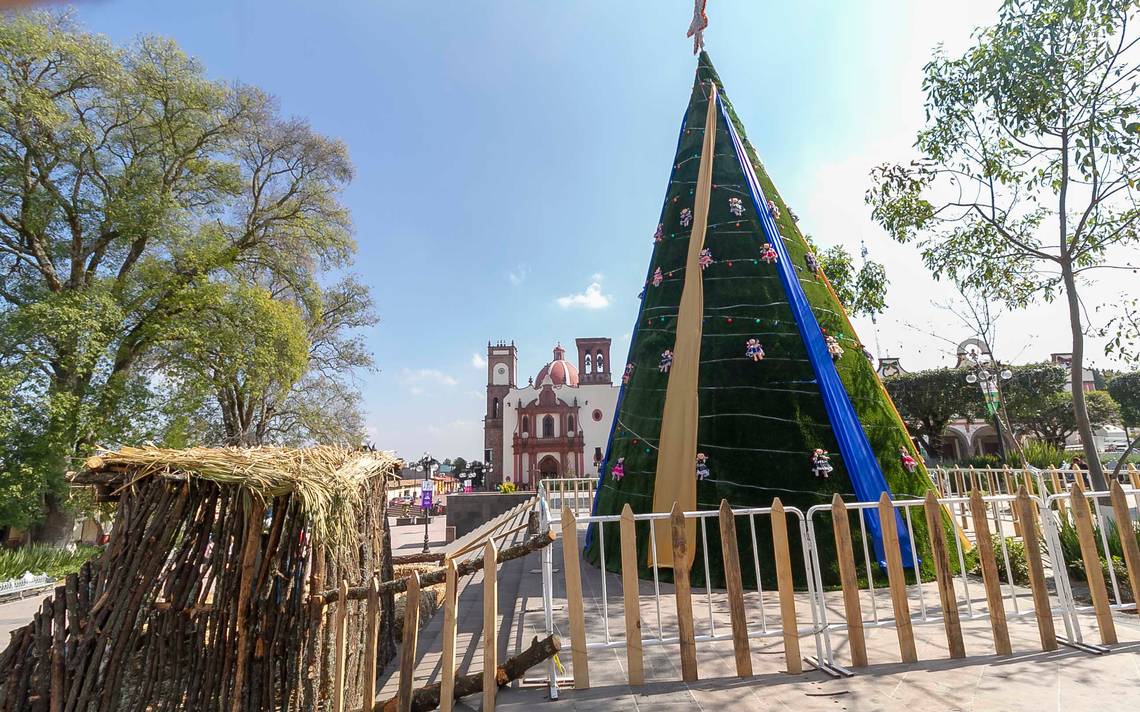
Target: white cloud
x,y
416,379
477,360
591,298
518,274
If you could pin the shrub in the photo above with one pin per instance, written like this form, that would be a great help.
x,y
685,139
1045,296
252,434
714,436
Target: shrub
x,y
1071,551
982,462
1042,454
43,559
1017,561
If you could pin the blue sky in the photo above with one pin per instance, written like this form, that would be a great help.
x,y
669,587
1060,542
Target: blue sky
x,y
509,154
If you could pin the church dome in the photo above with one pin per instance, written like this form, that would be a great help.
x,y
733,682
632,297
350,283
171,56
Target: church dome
x,y
560,371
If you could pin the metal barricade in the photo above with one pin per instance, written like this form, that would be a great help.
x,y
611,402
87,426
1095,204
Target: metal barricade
x,y
575,492
762,620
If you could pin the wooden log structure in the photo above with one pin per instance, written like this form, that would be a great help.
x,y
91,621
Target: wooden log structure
x,y
200,599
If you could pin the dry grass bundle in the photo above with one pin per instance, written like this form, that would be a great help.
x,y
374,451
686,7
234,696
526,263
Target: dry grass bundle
x,y
328,482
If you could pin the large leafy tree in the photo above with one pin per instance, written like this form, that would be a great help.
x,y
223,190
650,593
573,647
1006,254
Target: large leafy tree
x,y
1125,390
1029,162
1050,416
860,285
137,197
929,400
269,366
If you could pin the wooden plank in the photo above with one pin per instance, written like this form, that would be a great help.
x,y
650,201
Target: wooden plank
x,y
734,586
371,642
490,625
631,594
1057,489
574,600
447,662
786,588
946,594
683,592
896,580
961,493
1128,542
339,644
1042,607
411,638
1082,519
849,579
1134,478
994,601
1011,489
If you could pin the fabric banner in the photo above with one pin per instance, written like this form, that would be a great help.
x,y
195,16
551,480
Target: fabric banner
x,y
676,479
859,459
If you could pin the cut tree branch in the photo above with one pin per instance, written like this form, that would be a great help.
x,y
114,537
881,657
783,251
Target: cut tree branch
x,y
427,698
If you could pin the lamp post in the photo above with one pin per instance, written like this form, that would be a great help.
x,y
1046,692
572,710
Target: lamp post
x,y
989,377
426,465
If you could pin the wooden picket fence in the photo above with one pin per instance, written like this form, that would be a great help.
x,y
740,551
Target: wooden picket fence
x,y
458,564
683,552
960,481
1017,516
1040,601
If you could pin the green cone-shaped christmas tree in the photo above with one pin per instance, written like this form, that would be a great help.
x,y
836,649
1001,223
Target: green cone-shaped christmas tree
x,y
741,339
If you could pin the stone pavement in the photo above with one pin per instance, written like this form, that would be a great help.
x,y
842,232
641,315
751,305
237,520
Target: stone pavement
x,y
1066,679
18,613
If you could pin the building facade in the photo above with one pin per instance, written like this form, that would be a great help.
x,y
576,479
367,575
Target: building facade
x,y
556,425
963,438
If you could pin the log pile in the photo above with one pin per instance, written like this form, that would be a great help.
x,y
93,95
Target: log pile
x,y
201,600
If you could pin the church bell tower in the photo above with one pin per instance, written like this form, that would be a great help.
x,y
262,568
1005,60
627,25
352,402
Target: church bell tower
x,y
502,366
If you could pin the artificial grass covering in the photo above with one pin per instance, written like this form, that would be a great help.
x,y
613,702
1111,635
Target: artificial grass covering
x,y
759,421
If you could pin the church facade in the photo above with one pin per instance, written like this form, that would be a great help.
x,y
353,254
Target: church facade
x,y
557,424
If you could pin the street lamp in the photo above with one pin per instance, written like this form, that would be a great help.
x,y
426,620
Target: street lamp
x,y
990,383
426,465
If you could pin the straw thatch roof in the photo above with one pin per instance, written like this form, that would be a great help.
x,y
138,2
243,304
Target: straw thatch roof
x,y
327,482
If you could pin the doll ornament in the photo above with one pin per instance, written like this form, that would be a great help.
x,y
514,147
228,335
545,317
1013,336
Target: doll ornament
x,y
618,471
702,466
821,463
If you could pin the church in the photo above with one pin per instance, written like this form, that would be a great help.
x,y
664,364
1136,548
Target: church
x,y
556,425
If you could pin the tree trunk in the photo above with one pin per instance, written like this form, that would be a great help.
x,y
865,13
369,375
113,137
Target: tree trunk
x,y
58,522
1076,373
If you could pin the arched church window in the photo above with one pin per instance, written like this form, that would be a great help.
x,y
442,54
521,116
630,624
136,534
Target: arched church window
x,y
526,424
599,363
570,425
495,408
548,426
587,363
